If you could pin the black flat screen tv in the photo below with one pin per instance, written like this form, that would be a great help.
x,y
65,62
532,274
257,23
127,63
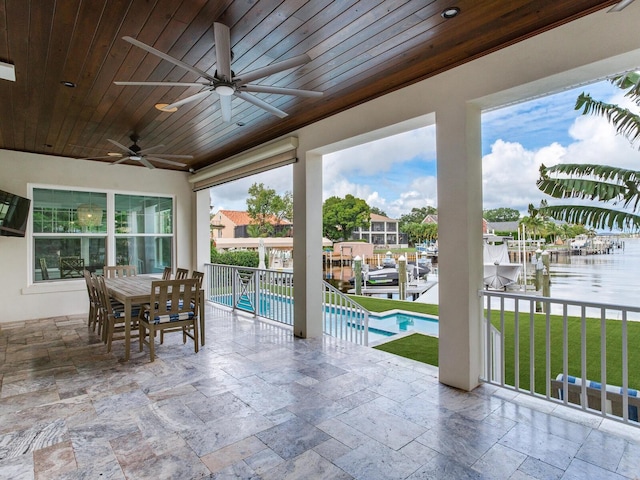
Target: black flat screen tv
x,y
14,213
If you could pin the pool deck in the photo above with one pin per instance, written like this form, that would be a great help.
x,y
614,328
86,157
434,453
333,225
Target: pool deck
x,y
414,289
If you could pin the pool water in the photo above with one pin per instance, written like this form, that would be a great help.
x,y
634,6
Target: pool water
x,y
391,323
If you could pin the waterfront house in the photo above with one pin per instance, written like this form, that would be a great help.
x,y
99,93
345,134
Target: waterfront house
x,y
234,224
383,232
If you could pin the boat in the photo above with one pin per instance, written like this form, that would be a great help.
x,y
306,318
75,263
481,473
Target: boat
x,y
499,272
388,277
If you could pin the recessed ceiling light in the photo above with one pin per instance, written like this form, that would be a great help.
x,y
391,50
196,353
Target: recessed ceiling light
x,y
163,108
67,83
450,12
114,154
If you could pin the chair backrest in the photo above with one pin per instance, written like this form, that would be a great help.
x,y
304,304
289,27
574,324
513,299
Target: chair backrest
x,y
114,271
199,276
166,274
173,298
43,268
102,294
182,273
91,289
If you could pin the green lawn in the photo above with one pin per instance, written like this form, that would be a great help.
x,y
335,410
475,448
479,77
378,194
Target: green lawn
x,y
424,348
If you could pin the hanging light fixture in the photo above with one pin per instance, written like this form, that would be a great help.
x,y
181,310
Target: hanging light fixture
x,y
89,215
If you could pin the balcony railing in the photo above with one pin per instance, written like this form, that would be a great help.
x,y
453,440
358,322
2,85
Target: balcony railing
x,y
269,294
565,352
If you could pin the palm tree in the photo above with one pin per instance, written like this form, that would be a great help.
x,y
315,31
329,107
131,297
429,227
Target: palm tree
x,y
609,185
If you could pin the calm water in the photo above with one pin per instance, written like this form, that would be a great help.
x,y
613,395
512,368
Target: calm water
x,y
607,278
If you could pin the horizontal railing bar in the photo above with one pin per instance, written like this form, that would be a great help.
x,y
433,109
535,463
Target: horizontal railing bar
x,y
561,301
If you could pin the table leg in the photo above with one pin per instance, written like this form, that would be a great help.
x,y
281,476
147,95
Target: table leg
x,y
127,328
201,315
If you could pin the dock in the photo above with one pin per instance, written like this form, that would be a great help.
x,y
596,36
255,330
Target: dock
x,y
414,290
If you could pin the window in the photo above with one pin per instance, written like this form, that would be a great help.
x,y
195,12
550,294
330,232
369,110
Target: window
x,y
392,226
71,232
377,226
377,238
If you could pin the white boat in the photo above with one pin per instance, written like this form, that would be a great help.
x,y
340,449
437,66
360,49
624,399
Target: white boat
x,y
499,272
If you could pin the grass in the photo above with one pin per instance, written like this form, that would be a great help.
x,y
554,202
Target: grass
x,y
416,346
422,347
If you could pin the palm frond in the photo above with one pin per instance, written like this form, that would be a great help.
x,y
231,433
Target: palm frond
x,y
601,172
606,184
629,81
583,189
624,120
594,217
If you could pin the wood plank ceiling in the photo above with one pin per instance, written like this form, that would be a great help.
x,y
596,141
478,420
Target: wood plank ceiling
x,y
359,50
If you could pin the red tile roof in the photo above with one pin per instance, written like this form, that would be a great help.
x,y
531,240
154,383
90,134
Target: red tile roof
x,y
243,218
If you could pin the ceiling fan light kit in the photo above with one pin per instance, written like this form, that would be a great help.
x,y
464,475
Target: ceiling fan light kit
x,y
224,82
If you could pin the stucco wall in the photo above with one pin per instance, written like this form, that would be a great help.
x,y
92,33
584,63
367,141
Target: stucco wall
x,y
22,301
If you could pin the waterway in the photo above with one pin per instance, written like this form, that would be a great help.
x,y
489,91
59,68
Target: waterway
x,y
612,278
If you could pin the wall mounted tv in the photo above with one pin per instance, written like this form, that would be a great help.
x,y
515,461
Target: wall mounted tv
x,y
14,213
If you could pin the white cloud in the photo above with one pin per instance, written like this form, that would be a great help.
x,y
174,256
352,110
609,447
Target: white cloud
x,y
382,155
510,171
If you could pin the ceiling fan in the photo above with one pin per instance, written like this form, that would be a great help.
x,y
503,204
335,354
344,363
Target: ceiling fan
x,y
134,152
225,83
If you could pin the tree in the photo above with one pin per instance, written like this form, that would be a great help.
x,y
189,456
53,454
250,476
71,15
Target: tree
x,y
606,184
502,214
340,216
377,211
416,216
266,209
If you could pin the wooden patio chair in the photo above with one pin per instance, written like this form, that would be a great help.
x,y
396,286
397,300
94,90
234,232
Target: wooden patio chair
x,y
174,306
198,276
113,315
43,268
94,303
182,273
166,274
115,271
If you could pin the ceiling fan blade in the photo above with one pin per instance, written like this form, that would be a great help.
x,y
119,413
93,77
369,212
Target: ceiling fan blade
x,y
222,37
280,91
123,159
166,57
146,150
165,84
146,162
119,145
262,104
192,98
167,155
248,77
225,108
168,162
97,158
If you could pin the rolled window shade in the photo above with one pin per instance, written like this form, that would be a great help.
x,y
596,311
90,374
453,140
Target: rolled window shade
x,y
261,159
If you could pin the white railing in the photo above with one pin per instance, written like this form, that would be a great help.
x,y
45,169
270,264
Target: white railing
x,y
564,351
269,294
265,293
344,318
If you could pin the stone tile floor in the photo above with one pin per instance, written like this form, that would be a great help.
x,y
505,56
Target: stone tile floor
x,y
257,403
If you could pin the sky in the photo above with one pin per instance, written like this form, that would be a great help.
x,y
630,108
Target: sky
x,y
398,173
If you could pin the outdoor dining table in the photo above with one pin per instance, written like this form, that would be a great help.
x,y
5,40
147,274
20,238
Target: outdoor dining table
x,y
136,290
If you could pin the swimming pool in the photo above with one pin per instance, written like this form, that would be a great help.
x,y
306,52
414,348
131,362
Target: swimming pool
x,y
382,326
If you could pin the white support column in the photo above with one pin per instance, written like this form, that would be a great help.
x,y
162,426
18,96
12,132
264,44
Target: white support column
x,y
307,245
459,153
202,238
